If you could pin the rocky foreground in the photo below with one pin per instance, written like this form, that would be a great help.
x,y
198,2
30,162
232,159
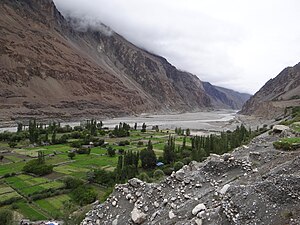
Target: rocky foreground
x,y
255,184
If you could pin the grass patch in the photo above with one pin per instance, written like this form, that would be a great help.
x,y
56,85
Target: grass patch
x,y
30,211
29,186
69,170
287,144
5,189
296,126
54,205
11,168
9,196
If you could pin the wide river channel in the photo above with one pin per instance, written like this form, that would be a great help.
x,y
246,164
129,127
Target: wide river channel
x,y
199,121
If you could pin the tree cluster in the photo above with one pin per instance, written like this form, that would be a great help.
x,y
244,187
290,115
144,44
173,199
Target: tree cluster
x,y
148,157
121,130
38,166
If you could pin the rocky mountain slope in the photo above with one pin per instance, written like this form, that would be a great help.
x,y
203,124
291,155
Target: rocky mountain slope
x,y
255,184
277,94
49,69
225,98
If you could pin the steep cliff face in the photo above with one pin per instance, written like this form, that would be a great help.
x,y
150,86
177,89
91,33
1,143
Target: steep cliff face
x,y
225,98
277,94
50,69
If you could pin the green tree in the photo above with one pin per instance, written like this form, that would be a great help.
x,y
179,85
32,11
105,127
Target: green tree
x,y
72,182
100,125
12,144
53,138
71,155
20,127
188,132
169,151
144,126
83,195
33,166
148,157
33,131
111,152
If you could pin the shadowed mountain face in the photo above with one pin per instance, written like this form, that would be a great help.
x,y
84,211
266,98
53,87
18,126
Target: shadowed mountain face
x,y
48,69
225,98
277,94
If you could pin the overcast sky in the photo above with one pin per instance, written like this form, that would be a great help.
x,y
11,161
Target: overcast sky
x,y
238,44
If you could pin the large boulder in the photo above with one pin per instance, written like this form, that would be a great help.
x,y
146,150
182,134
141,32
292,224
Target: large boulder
x,y
137,216
280,128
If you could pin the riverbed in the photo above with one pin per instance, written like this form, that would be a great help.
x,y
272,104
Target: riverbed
x,y
198,122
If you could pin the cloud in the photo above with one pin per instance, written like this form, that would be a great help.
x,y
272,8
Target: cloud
x,y
235,44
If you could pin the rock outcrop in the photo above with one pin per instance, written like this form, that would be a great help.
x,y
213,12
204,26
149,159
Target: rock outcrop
x,y
276,95
254,184
50,69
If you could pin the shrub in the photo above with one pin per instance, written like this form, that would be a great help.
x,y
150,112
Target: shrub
x,y
187,160
111,152
12,144
101,176
283,145
144,177
83,195
178,166
140,143
158,174
83,151
35,167
6,217
14,206
124,143
76,144
99,143
72,182
168,170
71,155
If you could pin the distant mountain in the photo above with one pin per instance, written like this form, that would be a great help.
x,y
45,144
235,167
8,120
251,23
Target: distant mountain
x,y
277,94
50,69
225,98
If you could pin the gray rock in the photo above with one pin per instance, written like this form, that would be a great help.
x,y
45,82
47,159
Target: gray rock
x,y
134,182
137,216
198,208
171,215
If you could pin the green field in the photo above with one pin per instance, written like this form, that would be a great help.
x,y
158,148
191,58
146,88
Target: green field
x,y
7,193
27,185
26,188
11,168
54,205
30,211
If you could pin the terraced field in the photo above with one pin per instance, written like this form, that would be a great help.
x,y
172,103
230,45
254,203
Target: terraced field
x,y
22,189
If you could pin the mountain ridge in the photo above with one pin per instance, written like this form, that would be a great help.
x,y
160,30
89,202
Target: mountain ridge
x,y
49,69
276,95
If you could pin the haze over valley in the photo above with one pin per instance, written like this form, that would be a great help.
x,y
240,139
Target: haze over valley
x,y
149,112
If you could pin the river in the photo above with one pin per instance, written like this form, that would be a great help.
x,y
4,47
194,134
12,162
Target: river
x,y
198,121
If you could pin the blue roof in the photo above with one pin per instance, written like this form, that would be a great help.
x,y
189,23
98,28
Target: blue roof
x,y
159,164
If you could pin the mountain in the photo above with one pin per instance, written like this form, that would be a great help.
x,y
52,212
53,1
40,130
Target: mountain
x,y
225,98
277,94
50,69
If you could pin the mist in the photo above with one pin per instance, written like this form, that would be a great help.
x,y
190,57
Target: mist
x,y
234,44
